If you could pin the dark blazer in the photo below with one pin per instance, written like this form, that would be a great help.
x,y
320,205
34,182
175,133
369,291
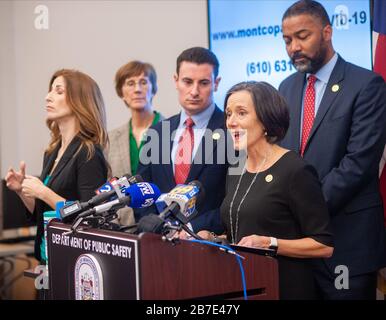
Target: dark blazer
x,y
206,168
345,146
74,178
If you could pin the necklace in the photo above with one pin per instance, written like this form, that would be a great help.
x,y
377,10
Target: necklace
x,y
234,233
60,154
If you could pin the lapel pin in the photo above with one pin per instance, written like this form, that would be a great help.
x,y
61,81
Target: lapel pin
x,y
335,88
216,136
269,177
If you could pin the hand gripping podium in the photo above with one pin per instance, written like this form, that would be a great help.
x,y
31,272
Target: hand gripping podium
x,y
103,264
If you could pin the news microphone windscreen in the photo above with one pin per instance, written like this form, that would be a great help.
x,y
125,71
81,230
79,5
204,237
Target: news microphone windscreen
x,y
201,195
160,203
151,223
106,187
142,194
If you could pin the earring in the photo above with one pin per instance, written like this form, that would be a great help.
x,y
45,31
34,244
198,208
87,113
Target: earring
x,y
265,133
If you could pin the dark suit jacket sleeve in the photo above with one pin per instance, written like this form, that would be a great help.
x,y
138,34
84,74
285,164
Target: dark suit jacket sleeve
x,y
144,165
209,220
144,170
91,175
363,146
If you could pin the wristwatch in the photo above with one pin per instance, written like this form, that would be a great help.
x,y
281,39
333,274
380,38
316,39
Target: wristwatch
x,y
273,244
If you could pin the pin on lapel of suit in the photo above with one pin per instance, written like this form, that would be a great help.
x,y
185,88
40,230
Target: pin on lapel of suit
x,y
335,88
216,136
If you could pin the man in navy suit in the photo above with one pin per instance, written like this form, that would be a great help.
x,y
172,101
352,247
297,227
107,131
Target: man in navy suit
x,y
196,80
342,137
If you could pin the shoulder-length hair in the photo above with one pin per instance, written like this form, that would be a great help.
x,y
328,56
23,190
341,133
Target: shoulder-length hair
x,y
85,99
270,107
134,69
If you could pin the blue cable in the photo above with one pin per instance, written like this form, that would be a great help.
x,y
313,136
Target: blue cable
x,y
226,248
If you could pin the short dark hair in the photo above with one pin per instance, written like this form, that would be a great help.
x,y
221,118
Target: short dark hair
x,y
308,7
133,69
270,106
198,55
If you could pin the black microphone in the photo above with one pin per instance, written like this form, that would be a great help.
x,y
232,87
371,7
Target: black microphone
x,y
108,191
139,195
151,223
181,201
155,224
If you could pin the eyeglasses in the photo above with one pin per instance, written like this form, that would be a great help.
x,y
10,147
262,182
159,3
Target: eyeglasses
x,y
131,84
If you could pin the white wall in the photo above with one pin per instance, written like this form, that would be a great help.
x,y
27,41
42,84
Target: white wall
x,y
96,37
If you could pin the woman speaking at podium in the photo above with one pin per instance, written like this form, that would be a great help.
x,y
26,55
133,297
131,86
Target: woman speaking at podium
x,y
74,165
276,202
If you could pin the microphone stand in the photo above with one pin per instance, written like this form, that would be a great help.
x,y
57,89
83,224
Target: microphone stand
x,y
124,228
177,228
101,220
190,232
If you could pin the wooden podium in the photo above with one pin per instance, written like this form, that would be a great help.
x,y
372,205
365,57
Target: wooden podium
x,y
102,264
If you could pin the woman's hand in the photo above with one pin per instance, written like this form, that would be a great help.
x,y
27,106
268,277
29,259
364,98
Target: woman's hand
x,y
33,187
206,235
14,179
255,241
182,235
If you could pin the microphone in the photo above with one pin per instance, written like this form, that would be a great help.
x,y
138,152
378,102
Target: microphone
x,y
139,195
108,191
115,184
151,223
181,204
120,185
182,201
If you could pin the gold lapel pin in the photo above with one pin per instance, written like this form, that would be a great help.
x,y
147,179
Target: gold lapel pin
x,y
216,136
269,177
335,88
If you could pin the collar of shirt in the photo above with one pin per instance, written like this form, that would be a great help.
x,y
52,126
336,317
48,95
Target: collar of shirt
x,y
324,73
200,120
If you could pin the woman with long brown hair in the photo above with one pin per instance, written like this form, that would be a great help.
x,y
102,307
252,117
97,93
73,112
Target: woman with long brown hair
x,y
74,165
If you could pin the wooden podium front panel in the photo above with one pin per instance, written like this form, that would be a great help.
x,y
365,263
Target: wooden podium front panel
x,y
192,270
156,269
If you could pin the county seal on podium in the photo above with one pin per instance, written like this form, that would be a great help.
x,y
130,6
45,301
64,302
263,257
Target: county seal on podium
x,y
88,278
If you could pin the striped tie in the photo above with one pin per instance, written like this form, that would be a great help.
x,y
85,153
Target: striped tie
x,y
308,112
184,152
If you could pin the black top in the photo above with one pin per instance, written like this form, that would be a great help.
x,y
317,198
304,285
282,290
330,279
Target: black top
x,y
74,178
285,202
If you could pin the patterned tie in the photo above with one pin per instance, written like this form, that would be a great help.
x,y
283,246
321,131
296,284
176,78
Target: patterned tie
x,y
308,112
184,152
